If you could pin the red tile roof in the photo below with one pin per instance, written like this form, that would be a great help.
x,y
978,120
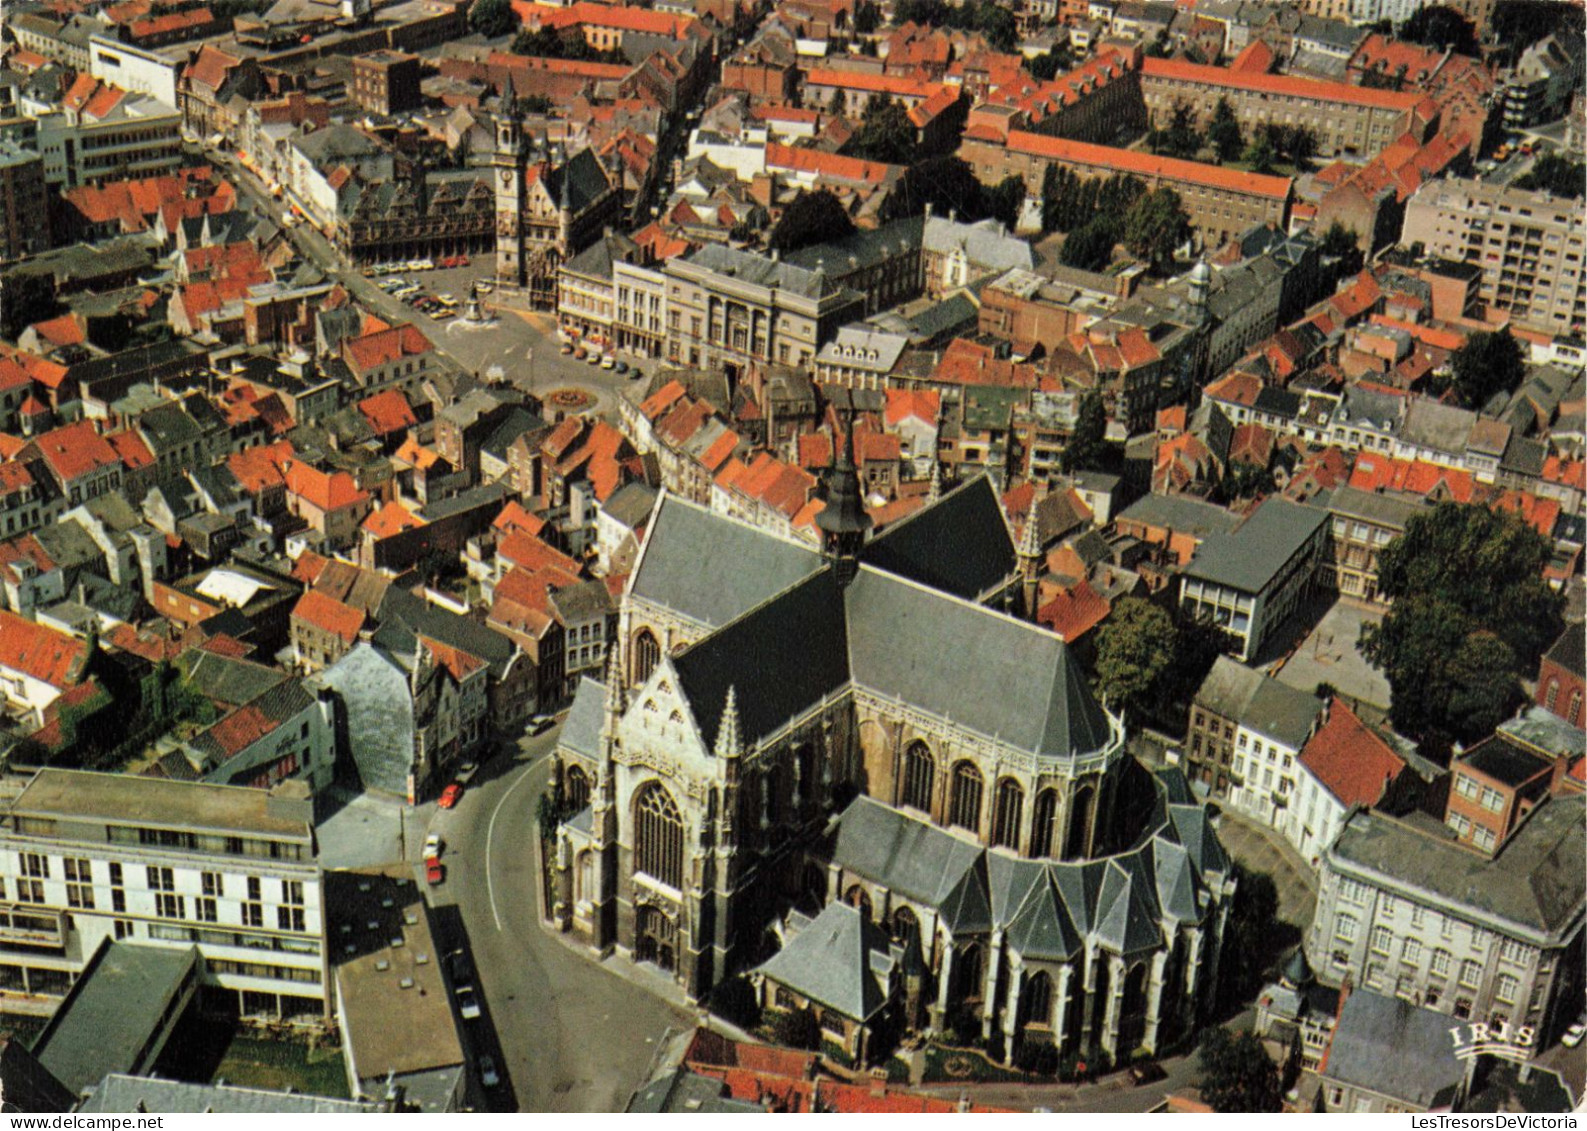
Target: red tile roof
x,y
1148,165
532,554
1073,614
330,615
35,650
892,85
1350,761
513,517
328,491
392,518
919,404
374,350
76,450
826,164
1288,86
387,412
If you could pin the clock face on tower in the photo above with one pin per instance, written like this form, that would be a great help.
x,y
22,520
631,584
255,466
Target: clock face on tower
x,y
506,178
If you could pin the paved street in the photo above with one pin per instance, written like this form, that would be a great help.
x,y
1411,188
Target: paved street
x,y
573,1036
1262,849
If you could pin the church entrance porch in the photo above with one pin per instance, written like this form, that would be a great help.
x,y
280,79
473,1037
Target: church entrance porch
x,y
656,938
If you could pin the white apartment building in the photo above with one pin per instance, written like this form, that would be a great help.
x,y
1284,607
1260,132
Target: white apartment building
x,y
1408,911
232,870
1529,246
137,136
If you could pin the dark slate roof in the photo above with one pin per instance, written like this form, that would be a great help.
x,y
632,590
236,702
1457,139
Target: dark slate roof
x,y
586,180
960,545
515,423
868,246
228,680
378,707
1394,1048
1503,761
447,627
1179,513
711,569
911,857
630,504
1282,713
117,1094
683,1092
987,672
840,959
1536,881
1042,927
792,650
108,1017
581,730
1248,558
1568,651
596,260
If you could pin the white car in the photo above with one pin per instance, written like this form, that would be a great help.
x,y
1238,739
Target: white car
x,y
1575,1033
468,1003
433,844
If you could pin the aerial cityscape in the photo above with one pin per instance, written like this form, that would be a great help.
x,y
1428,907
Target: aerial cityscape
x,y
739,556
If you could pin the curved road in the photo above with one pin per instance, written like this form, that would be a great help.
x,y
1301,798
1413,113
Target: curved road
x,y
573,1036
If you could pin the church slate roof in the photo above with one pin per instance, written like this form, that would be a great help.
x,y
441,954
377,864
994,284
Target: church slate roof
x,y
798,639
712,569
1048,908
840,959
986,671
585,178
960,545
581,730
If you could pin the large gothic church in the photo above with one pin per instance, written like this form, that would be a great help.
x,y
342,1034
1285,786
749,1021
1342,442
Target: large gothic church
x,y
784,729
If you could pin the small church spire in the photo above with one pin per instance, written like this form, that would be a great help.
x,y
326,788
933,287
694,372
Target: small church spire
x,y
729,742
614,692
1029,555
844,521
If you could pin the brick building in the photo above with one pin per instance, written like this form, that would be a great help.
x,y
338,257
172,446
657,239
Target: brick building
x,y
386,82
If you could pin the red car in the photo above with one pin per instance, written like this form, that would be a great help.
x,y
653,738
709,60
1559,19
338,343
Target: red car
x,y
450,796
434,870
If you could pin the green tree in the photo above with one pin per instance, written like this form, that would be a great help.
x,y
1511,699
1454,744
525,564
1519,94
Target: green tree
x,y
1224,132
811,218
798,1029
1341,244
1488,364
946,183
491,18
1005,201
1254,932
885,134
1134,647
1180,139
1236,1074
1442,28
835,104
867,17
1244,480
1089,248
1155,227
1045,68
1517,24
1471,613
1558,175
1088,444
1260,154
1300,145
29,297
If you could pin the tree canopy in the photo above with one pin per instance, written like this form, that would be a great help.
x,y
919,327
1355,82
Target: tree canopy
x,y
548,43
1442,28
885,134
1134,647
1224,132
1155,228
1237,1075
1260,154
1471,614
811,218
491,18
1090,248
1517,24
1088,444
948,184
1489,363
1556,174
991,19
1179,138
1342,244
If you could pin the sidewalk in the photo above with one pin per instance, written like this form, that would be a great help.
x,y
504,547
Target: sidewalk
x,y
1263,849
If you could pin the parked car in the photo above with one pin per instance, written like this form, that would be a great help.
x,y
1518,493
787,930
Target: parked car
x,y
487,1072
466,772
433,845
594,357
434,871
462,971
608,361
468,1003
1573,1036
450,796
540,723
566,348
1147,1072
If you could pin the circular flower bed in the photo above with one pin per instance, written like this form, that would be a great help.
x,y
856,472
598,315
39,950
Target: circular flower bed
x,y
569,400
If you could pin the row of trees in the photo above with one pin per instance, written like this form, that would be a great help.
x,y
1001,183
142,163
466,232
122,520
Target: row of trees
x,y
1270,145
949,185
995,22
1099,214
1558,175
